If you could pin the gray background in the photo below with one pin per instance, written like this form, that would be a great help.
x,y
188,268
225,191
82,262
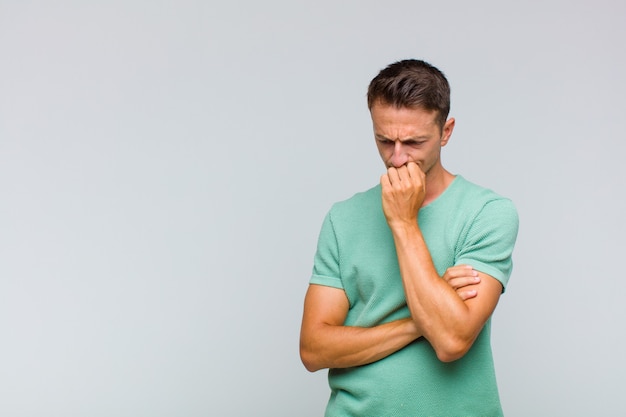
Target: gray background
x,y
165,168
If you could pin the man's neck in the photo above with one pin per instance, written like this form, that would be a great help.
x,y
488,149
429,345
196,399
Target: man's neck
x,y
436,183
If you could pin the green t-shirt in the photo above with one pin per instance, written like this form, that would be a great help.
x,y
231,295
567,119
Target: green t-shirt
x,y
466,224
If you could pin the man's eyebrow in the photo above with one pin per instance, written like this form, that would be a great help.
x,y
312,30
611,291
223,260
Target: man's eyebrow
x,y
413,138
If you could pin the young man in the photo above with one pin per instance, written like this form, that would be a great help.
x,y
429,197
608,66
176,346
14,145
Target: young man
x,y
407,274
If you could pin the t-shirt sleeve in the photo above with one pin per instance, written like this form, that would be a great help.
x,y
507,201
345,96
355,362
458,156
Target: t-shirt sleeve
x,y
326,262
490,240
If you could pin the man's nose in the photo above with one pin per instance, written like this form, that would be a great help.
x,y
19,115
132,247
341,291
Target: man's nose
x,y
399,156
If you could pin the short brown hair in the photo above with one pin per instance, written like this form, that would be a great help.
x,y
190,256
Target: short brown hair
x,y
411,83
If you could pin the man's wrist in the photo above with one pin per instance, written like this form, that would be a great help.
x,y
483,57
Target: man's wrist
x,y
403,227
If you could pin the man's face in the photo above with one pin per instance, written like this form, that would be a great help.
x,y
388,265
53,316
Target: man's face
x,y
406,135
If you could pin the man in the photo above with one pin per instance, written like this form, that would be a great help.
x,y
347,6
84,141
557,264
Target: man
x,y
407,274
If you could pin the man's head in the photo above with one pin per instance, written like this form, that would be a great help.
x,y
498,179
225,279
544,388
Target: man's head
x,y
409,103
411,83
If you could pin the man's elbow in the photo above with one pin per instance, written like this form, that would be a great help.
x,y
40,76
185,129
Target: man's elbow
x,y
453,350
309,360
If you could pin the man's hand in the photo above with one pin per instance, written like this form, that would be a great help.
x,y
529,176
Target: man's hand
x,y
403,192
460,277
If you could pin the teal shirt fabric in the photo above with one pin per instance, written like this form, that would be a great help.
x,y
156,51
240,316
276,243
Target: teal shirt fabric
x,y
466,224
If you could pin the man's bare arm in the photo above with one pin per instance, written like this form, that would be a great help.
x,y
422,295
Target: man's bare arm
x,y
448,323
326,343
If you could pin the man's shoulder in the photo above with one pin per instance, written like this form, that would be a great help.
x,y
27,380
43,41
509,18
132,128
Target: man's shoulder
x,y
464,200
472,192
360,199
479,202
360,207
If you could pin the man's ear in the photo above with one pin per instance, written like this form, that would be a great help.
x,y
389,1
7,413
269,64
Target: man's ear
x,y
448,127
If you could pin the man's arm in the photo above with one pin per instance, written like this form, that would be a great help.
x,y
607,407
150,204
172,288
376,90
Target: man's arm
x,y
326,343
447,322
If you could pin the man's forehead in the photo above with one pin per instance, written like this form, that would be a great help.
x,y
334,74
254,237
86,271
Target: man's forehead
x,y
403,115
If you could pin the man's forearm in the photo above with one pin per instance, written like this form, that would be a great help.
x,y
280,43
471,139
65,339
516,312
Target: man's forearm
x,y
338,346
437,310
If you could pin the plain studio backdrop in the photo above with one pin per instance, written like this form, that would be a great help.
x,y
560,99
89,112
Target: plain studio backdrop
x,y
165,168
